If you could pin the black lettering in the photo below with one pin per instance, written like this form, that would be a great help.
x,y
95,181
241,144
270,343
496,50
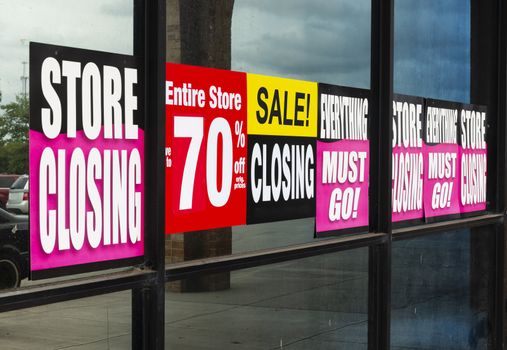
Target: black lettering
x,y
299,108
286,120
262,104
275,109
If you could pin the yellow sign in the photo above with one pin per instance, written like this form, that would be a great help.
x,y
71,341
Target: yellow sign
x,y
281,107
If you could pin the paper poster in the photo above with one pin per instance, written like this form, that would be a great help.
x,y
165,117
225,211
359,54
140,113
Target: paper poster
x,y
343,159
408,160
244,148
282,125
441,159
281,107
474,158
86,158
206,148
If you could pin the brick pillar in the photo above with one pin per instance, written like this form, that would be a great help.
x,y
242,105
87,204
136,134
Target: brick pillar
x,y
173,35
197,245
199,33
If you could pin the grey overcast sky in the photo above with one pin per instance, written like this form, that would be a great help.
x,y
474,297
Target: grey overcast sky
x,y
318,40
329,41
432,48
92,24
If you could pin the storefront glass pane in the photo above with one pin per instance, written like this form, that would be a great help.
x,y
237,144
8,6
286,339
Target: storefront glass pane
x,y
312,303
321,41
96,25
324,41
442,283
441,288
432,49
101,322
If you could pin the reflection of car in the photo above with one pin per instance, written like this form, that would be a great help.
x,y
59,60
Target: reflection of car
x,y
18,196
5,183
13,249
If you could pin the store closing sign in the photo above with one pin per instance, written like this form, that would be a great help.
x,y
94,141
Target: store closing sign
x,y
473,154
206,148
408,160
86,158
282,126
342,160
247,148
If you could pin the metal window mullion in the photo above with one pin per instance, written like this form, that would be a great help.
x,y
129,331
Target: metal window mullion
x,y
148,311
379,300
179,271
501,171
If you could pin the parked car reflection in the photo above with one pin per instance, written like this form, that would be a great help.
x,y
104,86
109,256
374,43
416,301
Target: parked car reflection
x,y
13,249
18,196
6,182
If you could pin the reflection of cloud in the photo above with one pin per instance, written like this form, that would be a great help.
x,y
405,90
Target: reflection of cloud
x,y
117,8
327,11
320,40
86,24
327,41
432,48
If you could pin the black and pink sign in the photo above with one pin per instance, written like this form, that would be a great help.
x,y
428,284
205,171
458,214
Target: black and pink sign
x,y
86,159
407,173
343,160
473,158
441,159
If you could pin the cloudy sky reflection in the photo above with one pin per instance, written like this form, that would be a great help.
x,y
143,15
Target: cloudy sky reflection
x,y
91,24
319,40
329,41
432,48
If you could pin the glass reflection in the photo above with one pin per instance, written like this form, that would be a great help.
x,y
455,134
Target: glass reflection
x,y
95,24
440,287
324,41
313,303
432,49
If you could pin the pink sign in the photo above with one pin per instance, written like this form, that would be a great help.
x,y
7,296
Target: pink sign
x,y
86,159
407,168
107,178
441,180
473,161
407,185
343,169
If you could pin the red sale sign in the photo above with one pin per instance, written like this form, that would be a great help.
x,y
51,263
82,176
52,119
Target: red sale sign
x,y
206,148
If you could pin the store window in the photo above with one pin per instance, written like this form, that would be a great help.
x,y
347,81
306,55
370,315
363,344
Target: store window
x,y
274,283
325,297
101,322
441,290
313,303
432,49
325,42
441,283
94,25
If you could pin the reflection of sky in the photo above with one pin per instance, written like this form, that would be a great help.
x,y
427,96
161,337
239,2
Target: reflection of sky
x,y
319,40
329,41
93,24
432,48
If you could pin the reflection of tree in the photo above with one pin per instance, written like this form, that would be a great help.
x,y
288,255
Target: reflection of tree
x,y
14,136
